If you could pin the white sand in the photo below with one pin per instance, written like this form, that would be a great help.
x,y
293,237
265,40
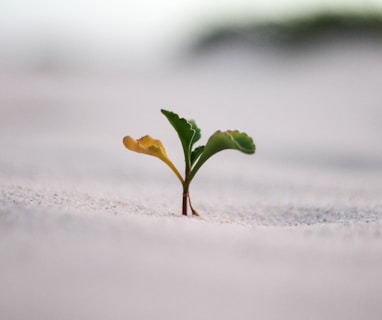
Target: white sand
x,y
89,230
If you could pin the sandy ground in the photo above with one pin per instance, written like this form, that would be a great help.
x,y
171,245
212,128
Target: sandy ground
x,y
89,230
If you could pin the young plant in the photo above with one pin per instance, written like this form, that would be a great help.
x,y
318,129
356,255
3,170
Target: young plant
x,y
194,157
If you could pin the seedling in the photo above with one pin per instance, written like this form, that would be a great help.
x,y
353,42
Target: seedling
x,y
189,133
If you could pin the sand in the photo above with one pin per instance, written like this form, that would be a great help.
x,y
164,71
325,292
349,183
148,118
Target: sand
x,y
89,230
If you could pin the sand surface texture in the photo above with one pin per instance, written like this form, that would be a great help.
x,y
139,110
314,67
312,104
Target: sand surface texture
x,y
89,230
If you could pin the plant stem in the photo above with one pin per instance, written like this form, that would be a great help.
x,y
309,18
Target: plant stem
x,y
184,202
185,191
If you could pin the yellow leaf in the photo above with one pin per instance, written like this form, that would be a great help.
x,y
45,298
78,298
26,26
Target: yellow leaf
x,y
152,147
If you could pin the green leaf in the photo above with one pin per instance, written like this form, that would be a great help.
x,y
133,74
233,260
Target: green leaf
x,y
186,131
197,135
196,154
220,141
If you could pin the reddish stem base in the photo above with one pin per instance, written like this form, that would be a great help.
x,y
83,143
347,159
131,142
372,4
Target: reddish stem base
x,y
184,203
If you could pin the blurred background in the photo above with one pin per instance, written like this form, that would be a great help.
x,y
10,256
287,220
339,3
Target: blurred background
x,y
121,35
302,77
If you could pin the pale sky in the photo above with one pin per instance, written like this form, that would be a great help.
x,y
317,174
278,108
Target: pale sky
x,y
146,25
